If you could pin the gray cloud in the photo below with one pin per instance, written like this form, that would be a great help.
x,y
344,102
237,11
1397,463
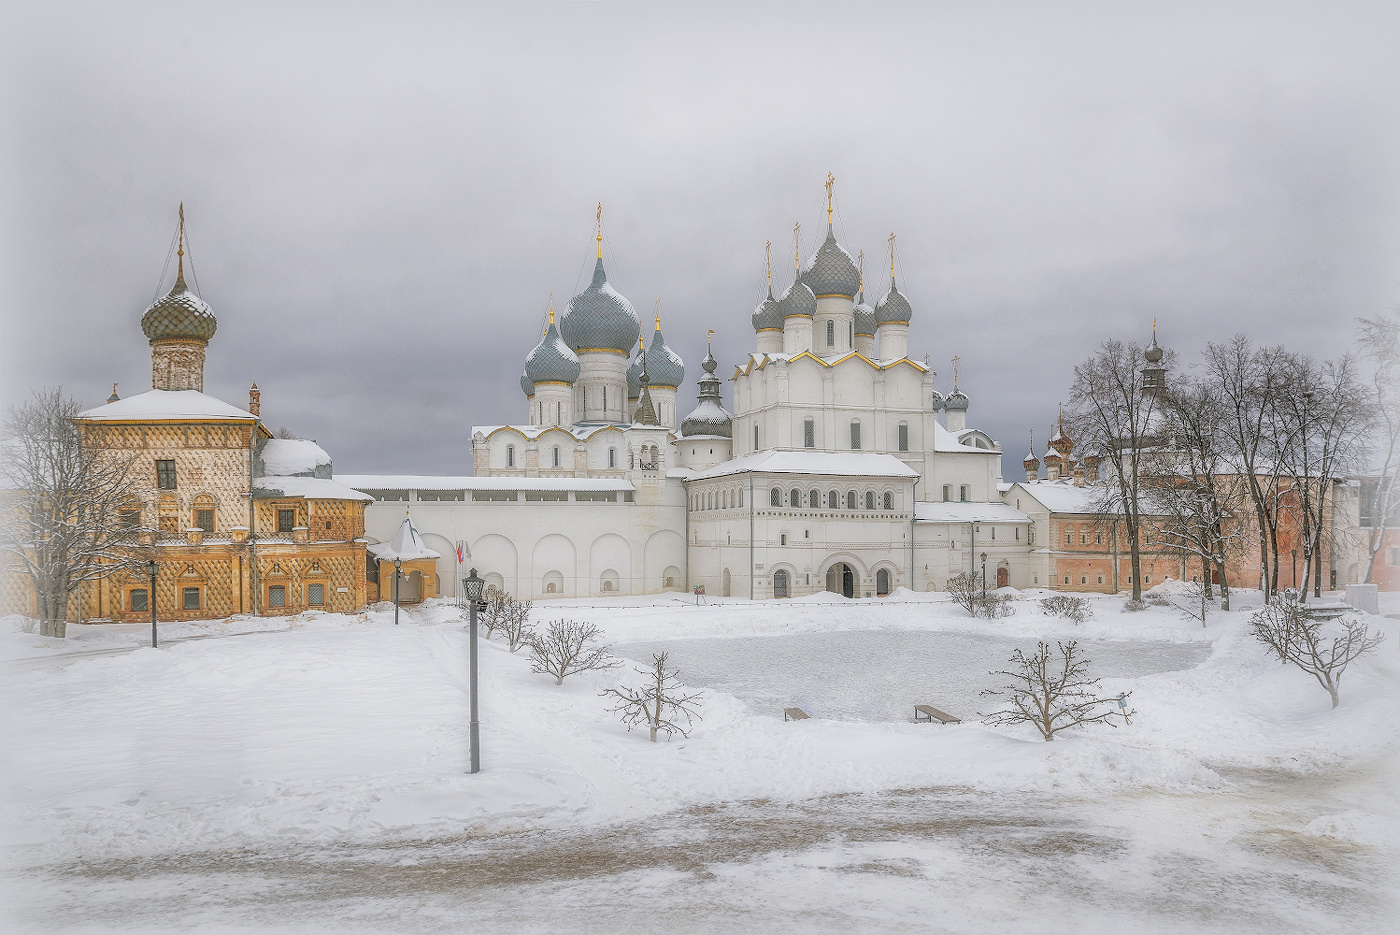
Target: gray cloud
x,y
380,204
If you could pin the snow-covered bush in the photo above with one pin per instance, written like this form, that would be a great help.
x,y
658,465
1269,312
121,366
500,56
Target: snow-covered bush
x,y
514,623
969,592
1133,607
1052,693
1158,600
568,647
1285,627
1077,609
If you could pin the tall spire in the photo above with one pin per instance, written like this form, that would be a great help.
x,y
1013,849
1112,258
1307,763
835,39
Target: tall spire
x,y
891,256
658,316
708,334
180,262
956,358
861,267
830,183
768,263
600,230
797,246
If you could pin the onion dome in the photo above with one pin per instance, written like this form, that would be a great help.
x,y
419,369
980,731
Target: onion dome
x,y
551,361
956,402
864,316
179,314
937,400
709,416
600,318
1092,456
1154,352
767,316
894,307
1052,455
831,271
664,366
797,301
527,386
1030,460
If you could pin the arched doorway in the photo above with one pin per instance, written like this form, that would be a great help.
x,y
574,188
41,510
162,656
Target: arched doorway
x,y
1002,577
780,583
411,588
882,582
841,579
724,583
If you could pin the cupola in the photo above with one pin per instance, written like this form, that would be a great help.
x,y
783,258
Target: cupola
x,y
179,326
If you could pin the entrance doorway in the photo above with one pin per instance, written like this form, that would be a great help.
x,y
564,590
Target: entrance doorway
x,y
1001,577
841,579
780,583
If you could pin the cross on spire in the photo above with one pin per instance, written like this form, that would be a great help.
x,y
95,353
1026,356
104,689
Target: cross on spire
x,y
658,314
830,183
599,217
891,238
768,262
797,246
861,265
180,262
956,358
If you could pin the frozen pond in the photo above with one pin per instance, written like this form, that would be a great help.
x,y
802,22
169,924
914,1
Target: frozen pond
x,y
879,675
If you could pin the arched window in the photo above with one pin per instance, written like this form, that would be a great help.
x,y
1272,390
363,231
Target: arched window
x,y
755,436
882,582
830,333
794,497
870,499
850,499
889,500
556,455
904,436
1069,535
510,456
558,413
855,435
809,433
833,500
612,457
780,583
775,497
741,496
814,500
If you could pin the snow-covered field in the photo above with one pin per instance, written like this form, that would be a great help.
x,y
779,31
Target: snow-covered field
x,y
308,774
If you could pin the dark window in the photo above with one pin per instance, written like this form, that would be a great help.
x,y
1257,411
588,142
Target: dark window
x,y
510,456
850,499
137,599
328,524
814,500
286,519
855,436
794,497
316,594
131,519
947,492
870,499
903,436
882,582
831,334
780,583
165,475
204,519
833,500
277,596
782,540
775,497
190,598
889,501
809,434
612,457
965,491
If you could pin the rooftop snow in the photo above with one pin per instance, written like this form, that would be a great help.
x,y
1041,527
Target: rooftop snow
x,y
843,463
580,430
312,488
428,482
286,456
1063,497
959,512
406,545
166,404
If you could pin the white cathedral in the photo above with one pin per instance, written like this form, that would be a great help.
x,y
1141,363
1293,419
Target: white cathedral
x,y
834,471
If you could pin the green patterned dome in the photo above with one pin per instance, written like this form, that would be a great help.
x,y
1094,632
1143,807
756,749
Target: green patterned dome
x,y
179,314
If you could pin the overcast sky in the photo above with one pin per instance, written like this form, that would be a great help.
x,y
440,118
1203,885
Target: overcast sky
x,y
380,203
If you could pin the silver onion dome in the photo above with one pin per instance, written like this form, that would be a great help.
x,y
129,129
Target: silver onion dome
x,y
551,361
1154,351
179,314
527,386
600,318
937,400
768,316
709,416
664,366
831,271
798,300
864,317
634,376
956,401
893,307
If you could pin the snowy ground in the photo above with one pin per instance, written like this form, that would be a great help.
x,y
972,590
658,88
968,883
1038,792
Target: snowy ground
x,y
307,774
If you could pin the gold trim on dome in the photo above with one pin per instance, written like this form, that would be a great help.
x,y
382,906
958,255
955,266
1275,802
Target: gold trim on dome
x,y
600,350
552,383
835,295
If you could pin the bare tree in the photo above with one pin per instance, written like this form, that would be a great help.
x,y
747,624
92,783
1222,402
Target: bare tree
x,y
1285,627
1116,409
1052,693
63,518
969,591
657,702
1197,601
1380,495
515,623
493,613
568,647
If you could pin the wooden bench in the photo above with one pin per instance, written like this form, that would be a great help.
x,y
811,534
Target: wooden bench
x,y
925,712
794,714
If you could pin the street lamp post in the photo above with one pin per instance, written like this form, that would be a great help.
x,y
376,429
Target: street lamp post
x,y
398,567
1294,553
151,569
1307,509
471,586
984,576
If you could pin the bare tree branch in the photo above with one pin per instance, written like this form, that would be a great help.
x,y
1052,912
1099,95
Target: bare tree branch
x,y
1050,693
657,703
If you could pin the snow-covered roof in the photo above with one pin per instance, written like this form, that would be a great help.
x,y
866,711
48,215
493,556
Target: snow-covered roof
x,y
406,546
958,512
580,431
312,488
166,405
1064,497
951,442
843,463
287,456
428,482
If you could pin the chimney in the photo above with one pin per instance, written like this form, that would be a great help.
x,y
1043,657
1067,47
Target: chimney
x,y
255,401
